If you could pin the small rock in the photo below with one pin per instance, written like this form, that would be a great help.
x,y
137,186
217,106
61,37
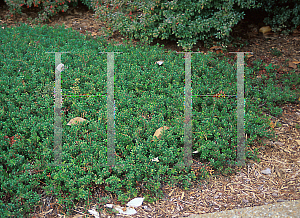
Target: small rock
x,y
245,201
279,143
76,120
266,171
265,29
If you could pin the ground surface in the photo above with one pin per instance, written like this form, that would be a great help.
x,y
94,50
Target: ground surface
x,y
253,185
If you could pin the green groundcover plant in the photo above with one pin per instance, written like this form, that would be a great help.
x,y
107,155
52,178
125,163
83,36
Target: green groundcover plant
x,y
147,97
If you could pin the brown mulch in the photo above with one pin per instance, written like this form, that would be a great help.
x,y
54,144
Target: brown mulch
x,y
275,179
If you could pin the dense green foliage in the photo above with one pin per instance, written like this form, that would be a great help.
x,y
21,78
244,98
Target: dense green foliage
x,y
186,21
283,15
141,88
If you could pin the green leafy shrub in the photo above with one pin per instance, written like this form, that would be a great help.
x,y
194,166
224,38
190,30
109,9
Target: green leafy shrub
x,y
141,87
48,8
283,15
187,21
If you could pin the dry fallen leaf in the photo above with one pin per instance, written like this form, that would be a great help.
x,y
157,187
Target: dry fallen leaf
x,y
293,64
215,48
265,29
159,132
76,120
218,49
